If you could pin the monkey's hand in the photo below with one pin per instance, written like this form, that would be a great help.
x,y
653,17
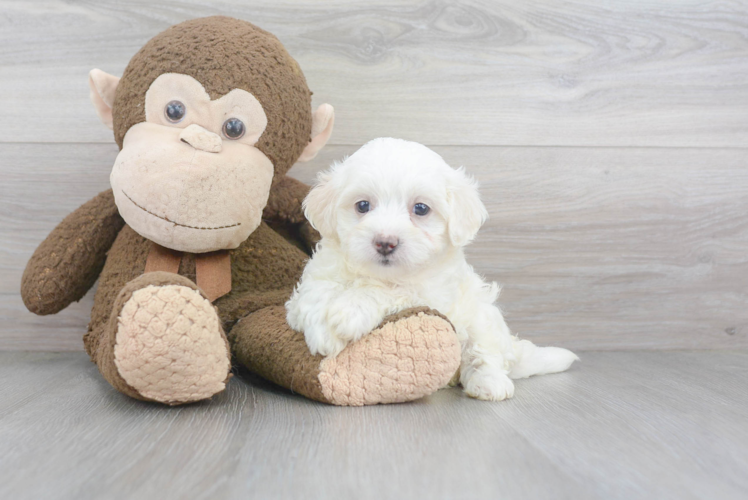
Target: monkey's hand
x,y
285,214
68,262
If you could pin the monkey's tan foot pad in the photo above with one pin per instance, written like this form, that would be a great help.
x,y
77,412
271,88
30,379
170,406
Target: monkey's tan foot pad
x,y
409,356
169,345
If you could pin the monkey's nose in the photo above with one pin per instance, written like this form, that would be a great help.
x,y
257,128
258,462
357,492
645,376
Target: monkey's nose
x,y
199,138
385,245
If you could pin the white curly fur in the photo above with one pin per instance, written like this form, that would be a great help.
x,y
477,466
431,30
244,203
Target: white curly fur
x,y
348,286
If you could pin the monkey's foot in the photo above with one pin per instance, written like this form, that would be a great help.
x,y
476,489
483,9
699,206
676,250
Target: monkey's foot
x,y
168,344
409,356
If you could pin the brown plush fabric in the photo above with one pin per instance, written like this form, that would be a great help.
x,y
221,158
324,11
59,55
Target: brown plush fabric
x,y
284,214
103,355
66,264
264,270
407,357
303,236
224,53
284,202
125,262
413,311
309,235
266,345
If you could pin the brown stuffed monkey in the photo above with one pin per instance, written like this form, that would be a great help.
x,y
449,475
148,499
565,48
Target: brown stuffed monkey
x,y
203,233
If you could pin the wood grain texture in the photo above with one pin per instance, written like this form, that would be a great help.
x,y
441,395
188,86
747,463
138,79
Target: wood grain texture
x,y
617,426
649,73
597,248
610,142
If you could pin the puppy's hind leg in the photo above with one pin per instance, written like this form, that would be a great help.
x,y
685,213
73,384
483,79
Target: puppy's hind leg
x,y
534,360
483,376
486,356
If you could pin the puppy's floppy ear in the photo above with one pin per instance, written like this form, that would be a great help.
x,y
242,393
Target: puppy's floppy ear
x,y
466,212
319,204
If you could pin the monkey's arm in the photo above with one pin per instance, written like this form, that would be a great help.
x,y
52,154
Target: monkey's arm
x,y
68,262
284,214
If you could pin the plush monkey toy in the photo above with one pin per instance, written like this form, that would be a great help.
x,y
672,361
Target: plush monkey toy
x,y
203,233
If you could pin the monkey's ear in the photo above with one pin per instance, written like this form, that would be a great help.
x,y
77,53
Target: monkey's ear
x,y
103,87
322,122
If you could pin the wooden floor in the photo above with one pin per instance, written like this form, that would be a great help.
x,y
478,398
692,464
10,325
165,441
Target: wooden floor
x,y
622,425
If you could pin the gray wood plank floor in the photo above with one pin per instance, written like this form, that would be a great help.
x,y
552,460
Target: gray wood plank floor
x,y
618,425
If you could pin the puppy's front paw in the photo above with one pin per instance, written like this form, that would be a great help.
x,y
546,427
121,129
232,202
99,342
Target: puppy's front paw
x,y
321,341
489,385
331,326
349,319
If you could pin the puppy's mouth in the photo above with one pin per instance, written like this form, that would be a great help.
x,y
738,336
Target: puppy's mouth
x,y
388,261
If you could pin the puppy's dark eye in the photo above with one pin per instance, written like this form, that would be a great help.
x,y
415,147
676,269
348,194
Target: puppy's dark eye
x,y
421,209
175,111
233,128
362,207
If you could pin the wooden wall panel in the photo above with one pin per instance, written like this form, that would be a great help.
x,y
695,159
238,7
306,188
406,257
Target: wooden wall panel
x,y
597,248
649,73
610,140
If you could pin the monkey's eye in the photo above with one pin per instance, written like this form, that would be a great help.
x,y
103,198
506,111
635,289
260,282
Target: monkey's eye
x,y
174,111
421,209
362,207
233,128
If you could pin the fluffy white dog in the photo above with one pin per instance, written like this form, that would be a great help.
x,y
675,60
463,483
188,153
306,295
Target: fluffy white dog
x,y
394,219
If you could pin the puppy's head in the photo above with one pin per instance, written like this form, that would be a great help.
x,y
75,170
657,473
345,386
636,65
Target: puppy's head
x,y
393,206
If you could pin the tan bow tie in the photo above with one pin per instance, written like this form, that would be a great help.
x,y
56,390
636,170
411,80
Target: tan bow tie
x,y
212,269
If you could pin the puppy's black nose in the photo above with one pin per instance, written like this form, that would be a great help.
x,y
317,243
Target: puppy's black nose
x,y
386,245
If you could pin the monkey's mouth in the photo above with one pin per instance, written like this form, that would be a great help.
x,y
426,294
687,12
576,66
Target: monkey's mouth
x,y
207,228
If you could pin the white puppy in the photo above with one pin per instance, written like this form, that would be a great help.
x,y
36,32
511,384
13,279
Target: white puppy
x,y
394,219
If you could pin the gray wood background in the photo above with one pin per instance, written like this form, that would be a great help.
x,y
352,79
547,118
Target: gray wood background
x,y
610,139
